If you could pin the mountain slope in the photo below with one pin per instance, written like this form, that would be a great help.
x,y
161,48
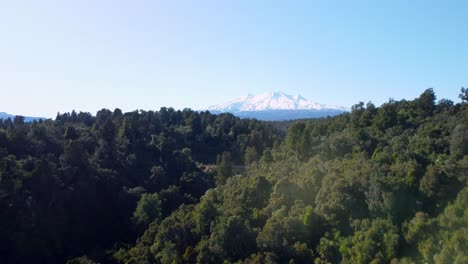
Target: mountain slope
x,y
276,106
5,116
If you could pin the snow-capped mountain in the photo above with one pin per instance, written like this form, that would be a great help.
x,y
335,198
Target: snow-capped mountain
x,y
276,106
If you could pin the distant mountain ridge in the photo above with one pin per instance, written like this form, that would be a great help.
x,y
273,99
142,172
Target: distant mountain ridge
x,y
276,106
5,116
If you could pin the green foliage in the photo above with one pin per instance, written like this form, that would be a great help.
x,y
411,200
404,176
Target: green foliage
x,y
81,260
381,184
464,95
224,163
72,185
443,239
250,156
148,209
374,241
459,141
233,239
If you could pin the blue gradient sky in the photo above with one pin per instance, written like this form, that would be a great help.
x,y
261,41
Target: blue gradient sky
x,y
56,56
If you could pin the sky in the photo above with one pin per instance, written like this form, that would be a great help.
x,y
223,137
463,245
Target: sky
x,y
59,56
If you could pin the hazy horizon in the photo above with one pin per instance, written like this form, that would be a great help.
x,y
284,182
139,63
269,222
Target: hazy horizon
x,y
93,112
85,56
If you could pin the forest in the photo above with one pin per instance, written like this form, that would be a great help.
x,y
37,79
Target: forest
x,y
383,184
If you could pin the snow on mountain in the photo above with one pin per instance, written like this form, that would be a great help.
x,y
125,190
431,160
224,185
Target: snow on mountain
x,y
271,101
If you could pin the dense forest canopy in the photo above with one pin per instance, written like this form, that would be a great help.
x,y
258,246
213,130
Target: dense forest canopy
x,y
381,184
71,186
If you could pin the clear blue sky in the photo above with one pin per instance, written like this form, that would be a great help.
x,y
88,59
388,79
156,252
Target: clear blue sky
x,y
56,56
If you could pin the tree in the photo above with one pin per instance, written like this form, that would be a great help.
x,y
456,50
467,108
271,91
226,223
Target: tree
x,y
18,120
312,222
426,102
224,164
459,141
375,242
287,232
71,133
464,95
295,136
250,156
233,239
386,116
148,209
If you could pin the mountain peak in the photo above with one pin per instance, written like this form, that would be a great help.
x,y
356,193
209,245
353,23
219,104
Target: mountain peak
x,y
276,100
299,97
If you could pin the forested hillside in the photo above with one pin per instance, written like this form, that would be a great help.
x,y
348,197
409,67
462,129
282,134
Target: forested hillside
x,y
378,185
70,187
